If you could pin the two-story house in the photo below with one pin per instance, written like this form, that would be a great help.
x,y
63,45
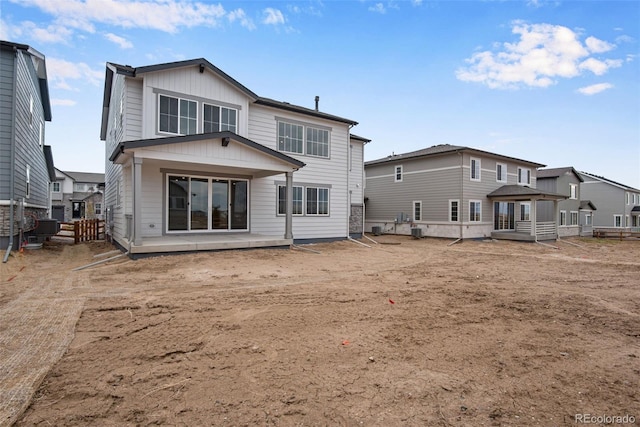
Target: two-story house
x,y
197,161
618,204
26,163
77,195
575,215
456,192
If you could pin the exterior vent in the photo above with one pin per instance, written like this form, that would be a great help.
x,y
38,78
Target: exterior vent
x,y
376,230
416,233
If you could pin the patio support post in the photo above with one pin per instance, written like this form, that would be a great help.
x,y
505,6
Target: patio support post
x,y
556,206
534,218
288,226
137,201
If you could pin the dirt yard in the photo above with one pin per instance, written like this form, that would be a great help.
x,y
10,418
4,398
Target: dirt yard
x,y
407,332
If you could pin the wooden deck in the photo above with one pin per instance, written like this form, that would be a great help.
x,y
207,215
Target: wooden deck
x,y
199,242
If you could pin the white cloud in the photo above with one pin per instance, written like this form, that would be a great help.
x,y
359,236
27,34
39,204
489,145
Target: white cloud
x,y
240,15
272,16
598,46
543,54
60,72
593,89
63,102
624,39
120,41
51,34
378,8
598,67
162,15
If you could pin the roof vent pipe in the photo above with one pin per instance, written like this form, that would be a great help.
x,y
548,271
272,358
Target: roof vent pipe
x,y
317,101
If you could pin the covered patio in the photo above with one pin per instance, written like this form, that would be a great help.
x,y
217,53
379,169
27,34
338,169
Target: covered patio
x,y
529,230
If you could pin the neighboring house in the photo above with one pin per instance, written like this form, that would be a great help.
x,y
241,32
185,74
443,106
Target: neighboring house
x,y
456,192
77,195
195,160
575,215
26,163
618,204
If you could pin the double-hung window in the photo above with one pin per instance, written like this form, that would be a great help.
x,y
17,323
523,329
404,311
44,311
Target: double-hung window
x,y
177,115
475,209
573,218
28,182
525,211
475,169
501,172
55,187
573,191
218,119
563,217
524,176
398,174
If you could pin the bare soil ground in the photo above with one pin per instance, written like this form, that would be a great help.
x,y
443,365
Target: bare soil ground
x,y
407,332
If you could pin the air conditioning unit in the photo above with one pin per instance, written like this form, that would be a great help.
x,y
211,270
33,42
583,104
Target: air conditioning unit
x,y
416,233
376,230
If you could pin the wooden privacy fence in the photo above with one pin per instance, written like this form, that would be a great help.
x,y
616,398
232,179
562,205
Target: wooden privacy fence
x,y
83,230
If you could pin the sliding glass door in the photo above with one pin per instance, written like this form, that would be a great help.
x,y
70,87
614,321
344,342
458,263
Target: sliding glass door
x,y
197,204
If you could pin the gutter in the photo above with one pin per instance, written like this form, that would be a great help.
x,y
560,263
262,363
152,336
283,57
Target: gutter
x,y
13,158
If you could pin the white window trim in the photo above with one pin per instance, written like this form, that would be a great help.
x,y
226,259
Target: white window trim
x,y
504,172
414,204
588,219
471,169
615,217
457,201
573,192
479,202
28,182
528,213
210,104
317,187
576,215
395,173
31,110
97,208
563,223
53,187
519,174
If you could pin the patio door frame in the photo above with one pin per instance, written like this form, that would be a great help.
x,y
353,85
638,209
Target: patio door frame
x,y
498,223
237,210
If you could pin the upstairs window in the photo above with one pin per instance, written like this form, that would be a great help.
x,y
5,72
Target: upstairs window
x,y
398,174
317,142
178,116
31,110
475,169
501,172
303,139
290,137
218,119
55,187
573,191
524,176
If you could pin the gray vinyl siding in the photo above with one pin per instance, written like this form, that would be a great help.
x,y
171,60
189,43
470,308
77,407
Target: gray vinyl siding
x,y
608,199
560,185
435,180
6,107
28,151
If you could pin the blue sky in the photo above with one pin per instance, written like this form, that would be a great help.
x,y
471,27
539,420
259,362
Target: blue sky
x,y
555,82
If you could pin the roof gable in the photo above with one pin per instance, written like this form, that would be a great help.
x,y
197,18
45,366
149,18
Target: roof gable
x,y
446,149
557,173
607,181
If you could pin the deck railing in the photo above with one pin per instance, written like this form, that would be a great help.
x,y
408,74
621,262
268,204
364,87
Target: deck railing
x,y
543,228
